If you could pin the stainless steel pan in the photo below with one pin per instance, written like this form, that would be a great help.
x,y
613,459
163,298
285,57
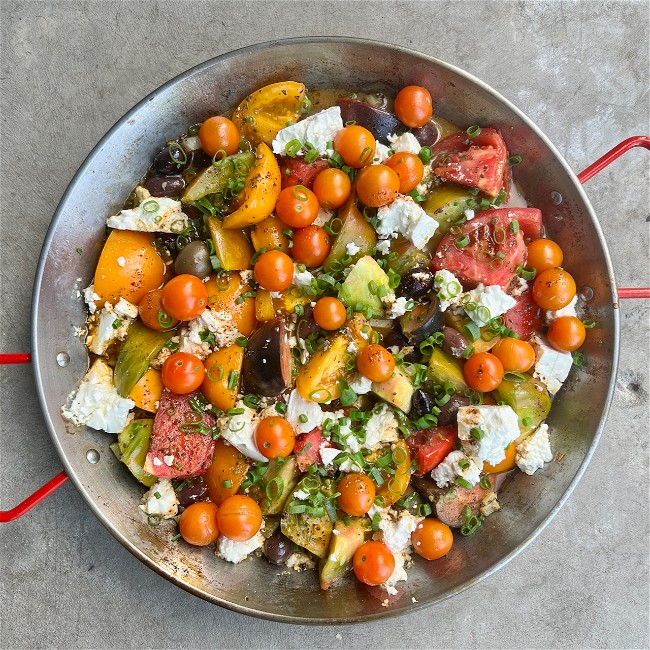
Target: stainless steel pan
x,y
100,187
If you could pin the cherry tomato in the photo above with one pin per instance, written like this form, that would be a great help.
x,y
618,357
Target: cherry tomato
x,y
377,185
297,206
357,494
184,297
182,372
414,106
432,539
152,313
373,563
554,289
409,169
239,518
356,145
330,313
483,372
566,333
219,134
544,254
198,523
274,270
514,354
332,188
311,246
275,437
375,363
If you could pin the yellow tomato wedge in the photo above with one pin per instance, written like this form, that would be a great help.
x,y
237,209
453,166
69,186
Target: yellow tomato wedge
x,y
148,390
223,376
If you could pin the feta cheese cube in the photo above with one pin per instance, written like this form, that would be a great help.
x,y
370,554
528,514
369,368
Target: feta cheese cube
x,y
160,500
218,323
456,465
551,366
301,278
495,427
381,428
449,288
125,309
239,431
398,575
159,214
297,406
110,326
352,249
534,451
396,527
489,302
328,454
395,307
406,142
404,216
317,130
361,385
383,246
232,551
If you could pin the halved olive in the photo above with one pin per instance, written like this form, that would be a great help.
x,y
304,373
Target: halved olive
x,y
423,321
267,361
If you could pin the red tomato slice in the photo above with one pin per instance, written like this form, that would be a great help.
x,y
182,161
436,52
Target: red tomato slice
x,y
480,162
525,317
530,221
491,255
431,446
307,448
295,171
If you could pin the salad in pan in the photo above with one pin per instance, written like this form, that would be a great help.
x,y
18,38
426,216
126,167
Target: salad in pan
x,y
324,329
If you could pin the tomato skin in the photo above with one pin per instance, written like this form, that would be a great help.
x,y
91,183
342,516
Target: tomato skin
x,y
376,363
357,494
356,145
153,315
525,317
431,446
228,464
307,448
432,539
409,169
515,355
373,563
377,185
330,313
414,106
274,271
239,518
275,437
297,206
544,254
295,171
566,333
483,372
332,188
219,134
184,297
554,289
198,524
311,246
182,372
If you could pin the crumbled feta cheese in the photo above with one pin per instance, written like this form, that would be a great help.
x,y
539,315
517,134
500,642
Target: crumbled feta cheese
x,y
361,385
396,527
121,261
109,326
551,366
164,354
381,428
97,403
449,288
406,217
383,246
301,495
160,500
534,451
395,307
159,214
518,286
328,454
247,276
498,425
239,431
456,465
489,504
125,309
569,310
489,302
352,249
231,551
301,561
317,130
90,298
406,142
323,216
382,153
398,575
219,323
297,406
301,278
469,214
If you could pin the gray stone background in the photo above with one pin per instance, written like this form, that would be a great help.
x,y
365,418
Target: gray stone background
x,y
71,69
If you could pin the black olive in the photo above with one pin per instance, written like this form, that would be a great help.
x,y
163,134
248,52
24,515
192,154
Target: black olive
x,y
165,185
277,548
454,342
306,324
192,491
194,259
171,160
423,321
416,283
422,404
426,135
395,338
449,410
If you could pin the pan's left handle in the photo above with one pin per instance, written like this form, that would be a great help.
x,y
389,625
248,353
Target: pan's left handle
x,y
44,491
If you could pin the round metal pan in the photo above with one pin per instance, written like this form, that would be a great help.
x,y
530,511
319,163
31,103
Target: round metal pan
x,y
105,180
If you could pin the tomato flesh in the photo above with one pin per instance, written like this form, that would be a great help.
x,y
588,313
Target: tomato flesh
x,y
431,447
295,171
307,448
525,317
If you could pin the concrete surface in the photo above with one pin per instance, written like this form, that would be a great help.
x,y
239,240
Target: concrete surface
x,y
70,69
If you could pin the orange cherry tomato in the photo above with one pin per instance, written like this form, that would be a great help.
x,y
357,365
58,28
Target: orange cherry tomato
x,y
275,437
198,524
311,246
182,372
219,134
554,289
356,145
566,333
544,254
409,169
376,363
330,313
239,518
432,539
514,354
332,188
274,271
152,313
357,494
226,472
373,563
297,206
414,106
483,372
184,297
377,185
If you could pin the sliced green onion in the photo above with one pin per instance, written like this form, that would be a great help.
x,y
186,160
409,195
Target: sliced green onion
x,y
151,206
516,377
226,484
292,147
473,131
232,380
472,331
476,433
463,483
242,341
281,407
485,483
461,241
589,324
514,226
425,154
424,510
515,159
578,359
